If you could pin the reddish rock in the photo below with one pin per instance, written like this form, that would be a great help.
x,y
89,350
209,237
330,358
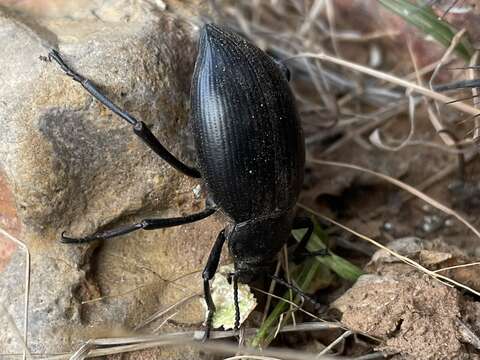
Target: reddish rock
x,y
8,222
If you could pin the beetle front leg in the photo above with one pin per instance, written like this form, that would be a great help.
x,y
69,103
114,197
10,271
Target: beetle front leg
x,y
139,127
235,301
146,224
207,275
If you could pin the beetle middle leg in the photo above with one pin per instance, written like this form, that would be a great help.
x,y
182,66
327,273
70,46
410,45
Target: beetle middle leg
x,y
301,249
207,275
146,224
297,290
139,127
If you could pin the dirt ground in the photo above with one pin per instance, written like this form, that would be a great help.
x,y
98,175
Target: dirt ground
x,y
410,314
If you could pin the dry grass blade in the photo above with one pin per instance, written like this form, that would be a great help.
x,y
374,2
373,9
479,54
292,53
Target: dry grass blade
x,y
281,353
254,357
10,321
162,312
334,343
403,186
271,289
375,137
109,346
112,296
390,78
166,320
27,288
291,303
434,119
284,257
455,41
315,9
302,278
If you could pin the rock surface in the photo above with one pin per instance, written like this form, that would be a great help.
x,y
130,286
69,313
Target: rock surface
x,y
413,315
72,165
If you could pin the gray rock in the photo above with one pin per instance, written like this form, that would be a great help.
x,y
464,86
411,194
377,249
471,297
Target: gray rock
x,y
72,165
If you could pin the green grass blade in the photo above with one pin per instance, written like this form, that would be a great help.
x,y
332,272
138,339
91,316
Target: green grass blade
x,y
343,268
311,269
428,22
266,333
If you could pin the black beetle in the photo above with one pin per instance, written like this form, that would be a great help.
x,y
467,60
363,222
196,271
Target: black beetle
x,y
250,149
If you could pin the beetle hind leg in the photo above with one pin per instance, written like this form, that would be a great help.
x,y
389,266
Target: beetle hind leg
x,y
139,127
146,224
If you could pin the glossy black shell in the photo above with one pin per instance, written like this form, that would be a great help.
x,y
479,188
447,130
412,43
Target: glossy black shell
x,y
246,127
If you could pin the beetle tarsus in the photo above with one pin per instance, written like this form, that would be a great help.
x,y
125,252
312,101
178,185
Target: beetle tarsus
x,y
55,55
69,240
208,325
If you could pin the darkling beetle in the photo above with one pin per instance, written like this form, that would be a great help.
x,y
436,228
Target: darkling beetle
x,y
250,150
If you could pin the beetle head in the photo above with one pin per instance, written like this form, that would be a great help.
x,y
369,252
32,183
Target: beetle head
x,y
254,245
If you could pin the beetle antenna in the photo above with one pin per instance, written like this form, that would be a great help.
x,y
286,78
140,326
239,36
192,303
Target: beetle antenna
x,y
235,301
299,291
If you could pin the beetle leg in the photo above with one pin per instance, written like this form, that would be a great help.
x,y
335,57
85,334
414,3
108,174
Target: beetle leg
x,y
235,301
302,223
139,127
301,251
146,224
299,291
207,275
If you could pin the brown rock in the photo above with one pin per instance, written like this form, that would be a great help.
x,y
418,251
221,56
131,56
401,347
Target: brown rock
x,y
412,314
74,166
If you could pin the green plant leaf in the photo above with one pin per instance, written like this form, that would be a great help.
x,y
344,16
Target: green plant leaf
x,y
303,277
343,268
428,22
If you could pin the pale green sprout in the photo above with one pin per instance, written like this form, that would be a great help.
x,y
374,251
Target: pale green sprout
x,y
222,295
